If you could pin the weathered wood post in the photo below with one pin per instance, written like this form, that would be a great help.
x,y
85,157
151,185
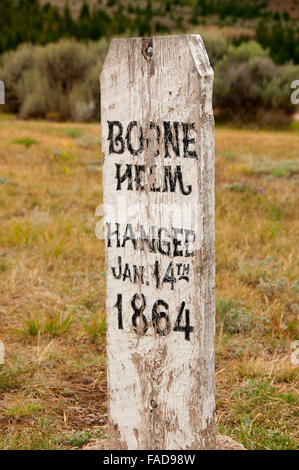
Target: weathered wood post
x,y
158,177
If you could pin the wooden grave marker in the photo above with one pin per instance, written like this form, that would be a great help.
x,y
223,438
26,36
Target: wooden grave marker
x,y
158,183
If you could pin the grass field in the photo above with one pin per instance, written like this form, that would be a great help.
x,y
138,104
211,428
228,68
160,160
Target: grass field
x,y
52,385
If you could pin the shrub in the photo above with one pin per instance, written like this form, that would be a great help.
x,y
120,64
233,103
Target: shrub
x,y
277,91
62,67
60,80
232,316
216,46
85,99
248,82
247,51
17,70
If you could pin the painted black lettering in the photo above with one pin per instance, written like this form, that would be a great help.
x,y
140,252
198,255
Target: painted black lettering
x,y
138,273
157,274
189,233
169,276
138,314
157,316
138,170
171,181
127,272
109,234
131,149
147,238
185,273
121,178
113,269
179,265
158,135
170,138
116,143
119,306
187,140
160,242
129,235
153,178
187,329
177,242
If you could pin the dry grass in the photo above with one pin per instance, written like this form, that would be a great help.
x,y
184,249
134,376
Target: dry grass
x,y
52,385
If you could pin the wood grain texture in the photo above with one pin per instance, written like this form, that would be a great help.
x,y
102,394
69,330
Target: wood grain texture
x,y
160,383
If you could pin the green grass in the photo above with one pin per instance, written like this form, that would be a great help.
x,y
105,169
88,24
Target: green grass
x,y
249,416
27,141
94,326
79,438
282,169
36,438
10,378
22,410
74,132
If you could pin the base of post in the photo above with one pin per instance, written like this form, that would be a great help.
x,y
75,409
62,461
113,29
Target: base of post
x,y
222,443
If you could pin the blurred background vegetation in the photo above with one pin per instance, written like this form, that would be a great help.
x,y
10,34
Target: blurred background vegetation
x,y
252,44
